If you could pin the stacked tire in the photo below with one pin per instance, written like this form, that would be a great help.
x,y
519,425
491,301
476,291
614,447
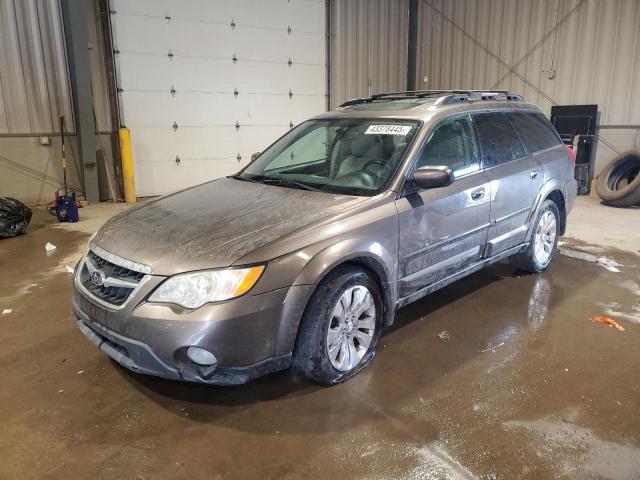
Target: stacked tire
x,y
618,184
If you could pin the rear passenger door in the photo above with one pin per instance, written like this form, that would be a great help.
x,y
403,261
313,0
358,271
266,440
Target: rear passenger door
x,y
515,179
442,230
541,139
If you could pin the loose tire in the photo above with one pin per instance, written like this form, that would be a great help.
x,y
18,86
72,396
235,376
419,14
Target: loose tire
x,y
543,243
340,327
619,182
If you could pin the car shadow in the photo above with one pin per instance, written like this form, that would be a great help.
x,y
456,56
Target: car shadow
x,y
396,374
491,307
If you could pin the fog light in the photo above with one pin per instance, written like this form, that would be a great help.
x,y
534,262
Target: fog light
x,y
201,356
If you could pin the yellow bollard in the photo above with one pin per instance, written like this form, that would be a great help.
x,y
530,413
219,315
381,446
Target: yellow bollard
x,y
127,165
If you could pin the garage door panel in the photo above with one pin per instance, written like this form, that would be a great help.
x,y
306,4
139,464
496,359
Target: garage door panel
x,y
210,40
157,73
127,31
255,139
164,144
169,177
203,76
142,7
253,77
186,109
303,16
276,110
153,109
306,107
300,14
144,72
307,48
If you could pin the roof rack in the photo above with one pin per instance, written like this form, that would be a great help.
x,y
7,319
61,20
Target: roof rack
x,y
445,97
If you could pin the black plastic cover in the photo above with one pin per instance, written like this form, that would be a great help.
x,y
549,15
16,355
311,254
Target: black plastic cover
x,y
14,217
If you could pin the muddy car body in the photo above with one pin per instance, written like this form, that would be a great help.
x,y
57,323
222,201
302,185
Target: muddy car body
x,y
415,190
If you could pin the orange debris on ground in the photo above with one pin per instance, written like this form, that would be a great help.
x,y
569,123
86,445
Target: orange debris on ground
x,y
607,321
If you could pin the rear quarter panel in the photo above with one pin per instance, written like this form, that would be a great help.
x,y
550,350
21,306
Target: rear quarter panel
x,y
558,175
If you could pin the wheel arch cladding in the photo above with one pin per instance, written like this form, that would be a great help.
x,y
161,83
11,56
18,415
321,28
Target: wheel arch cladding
x,y
377,272
362,253
557,197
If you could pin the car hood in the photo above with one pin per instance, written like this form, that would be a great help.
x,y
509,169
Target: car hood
x,y
214,224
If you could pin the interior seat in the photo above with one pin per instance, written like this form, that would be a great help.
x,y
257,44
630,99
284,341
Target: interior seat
x,y
364,148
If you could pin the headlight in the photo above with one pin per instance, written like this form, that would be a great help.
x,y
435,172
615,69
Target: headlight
x,y
192,290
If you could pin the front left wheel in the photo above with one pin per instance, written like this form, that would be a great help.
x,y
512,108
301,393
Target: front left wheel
x,y
340,328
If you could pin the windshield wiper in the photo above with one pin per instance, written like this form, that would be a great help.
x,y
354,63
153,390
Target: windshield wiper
x,y
285,182
244,179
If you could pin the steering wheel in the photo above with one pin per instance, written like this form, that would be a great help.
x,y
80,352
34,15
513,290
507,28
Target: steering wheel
x,y
380,163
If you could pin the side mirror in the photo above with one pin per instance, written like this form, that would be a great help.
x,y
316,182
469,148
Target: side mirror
x,y
432,177
255,155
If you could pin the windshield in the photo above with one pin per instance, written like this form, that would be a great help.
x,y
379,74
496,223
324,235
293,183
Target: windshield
x,y
348,156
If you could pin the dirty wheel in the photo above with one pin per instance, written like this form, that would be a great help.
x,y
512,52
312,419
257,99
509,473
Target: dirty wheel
x,y
340,328
543,243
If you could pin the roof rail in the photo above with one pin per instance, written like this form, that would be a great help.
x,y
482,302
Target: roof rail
x,y
478,95
445,97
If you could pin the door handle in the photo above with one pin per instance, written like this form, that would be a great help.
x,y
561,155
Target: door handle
x,y
477,194
533,174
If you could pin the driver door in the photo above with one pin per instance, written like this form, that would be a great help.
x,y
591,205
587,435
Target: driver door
x,y
443,230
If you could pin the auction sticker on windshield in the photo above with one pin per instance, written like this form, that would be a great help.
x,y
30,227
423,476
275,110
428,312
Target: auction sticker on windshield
x,y
388,130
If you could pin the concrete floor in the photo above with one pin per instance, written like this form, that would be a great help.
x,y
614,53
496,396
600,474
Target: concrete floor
x,y
525,385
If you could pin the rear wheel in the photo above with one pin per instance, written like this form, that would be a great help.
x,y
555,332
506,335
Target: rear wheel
x,y
543,243
340,328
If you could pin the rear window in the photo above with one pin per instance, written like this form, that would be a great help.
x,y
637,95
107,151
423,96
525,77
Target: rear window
x,y
535,131
497,138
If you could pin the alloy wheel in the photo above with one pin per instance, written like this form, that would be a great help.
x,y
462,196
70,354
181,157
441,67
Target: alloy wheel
x,y
353,323
545,238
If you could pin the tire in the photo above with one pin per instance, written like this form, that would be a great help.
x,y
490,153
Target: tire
x,y
311,356
543,233
619,182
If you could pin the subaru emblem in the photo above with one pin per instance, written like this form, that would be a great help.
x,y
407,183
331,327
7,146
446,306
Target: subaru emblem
x,y
97,278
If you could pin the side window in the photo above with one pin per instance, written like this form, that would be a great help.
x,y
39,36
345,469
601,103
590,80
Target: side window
x,y
452,144
535,131
498,139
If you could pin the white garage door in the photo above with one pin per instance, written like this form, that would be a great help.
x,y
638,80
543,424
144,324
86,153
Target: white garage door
x,y
205,83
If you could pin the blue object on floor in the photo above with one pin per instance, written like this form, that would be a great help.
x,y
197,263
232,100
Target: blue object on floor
x,y
67,208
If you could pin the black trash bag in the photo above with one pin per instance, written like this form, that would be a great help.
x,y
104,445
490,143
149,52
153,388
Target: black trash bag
x,y
14,217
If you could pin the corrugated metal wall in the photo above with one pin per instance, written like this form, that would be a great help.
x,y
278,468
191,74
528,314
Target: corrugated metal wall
x,y
554,52
368,47
34,85
34,91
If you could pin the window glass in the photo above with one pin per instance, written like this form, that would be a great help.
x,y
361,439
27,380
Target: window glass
x,y
309,148
353,156
535,131
498,139
452,144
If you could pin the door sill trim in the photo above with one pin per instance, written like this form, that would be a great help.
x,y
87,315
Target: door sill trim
x,y
474,267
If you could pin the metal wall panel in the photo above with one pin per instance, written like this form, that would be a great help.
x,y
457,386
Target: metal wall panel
x,y
178,76
34,81
368,47
592,47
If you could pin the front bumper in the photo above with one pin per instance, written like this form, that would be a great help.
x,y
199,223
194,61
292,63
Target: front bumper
x,y
251,336
140,358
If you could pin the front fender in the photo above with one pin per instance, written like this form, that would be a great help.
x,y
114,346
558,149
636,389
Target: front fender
x,y
366,252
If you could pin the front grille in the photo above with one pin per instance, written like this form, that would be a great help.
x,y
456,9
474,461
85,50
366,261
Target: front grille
x,y
109,278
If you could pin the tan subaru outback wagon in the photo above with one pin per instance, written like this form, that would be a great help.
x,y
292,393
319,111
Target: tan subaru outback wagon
x,y
303,257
